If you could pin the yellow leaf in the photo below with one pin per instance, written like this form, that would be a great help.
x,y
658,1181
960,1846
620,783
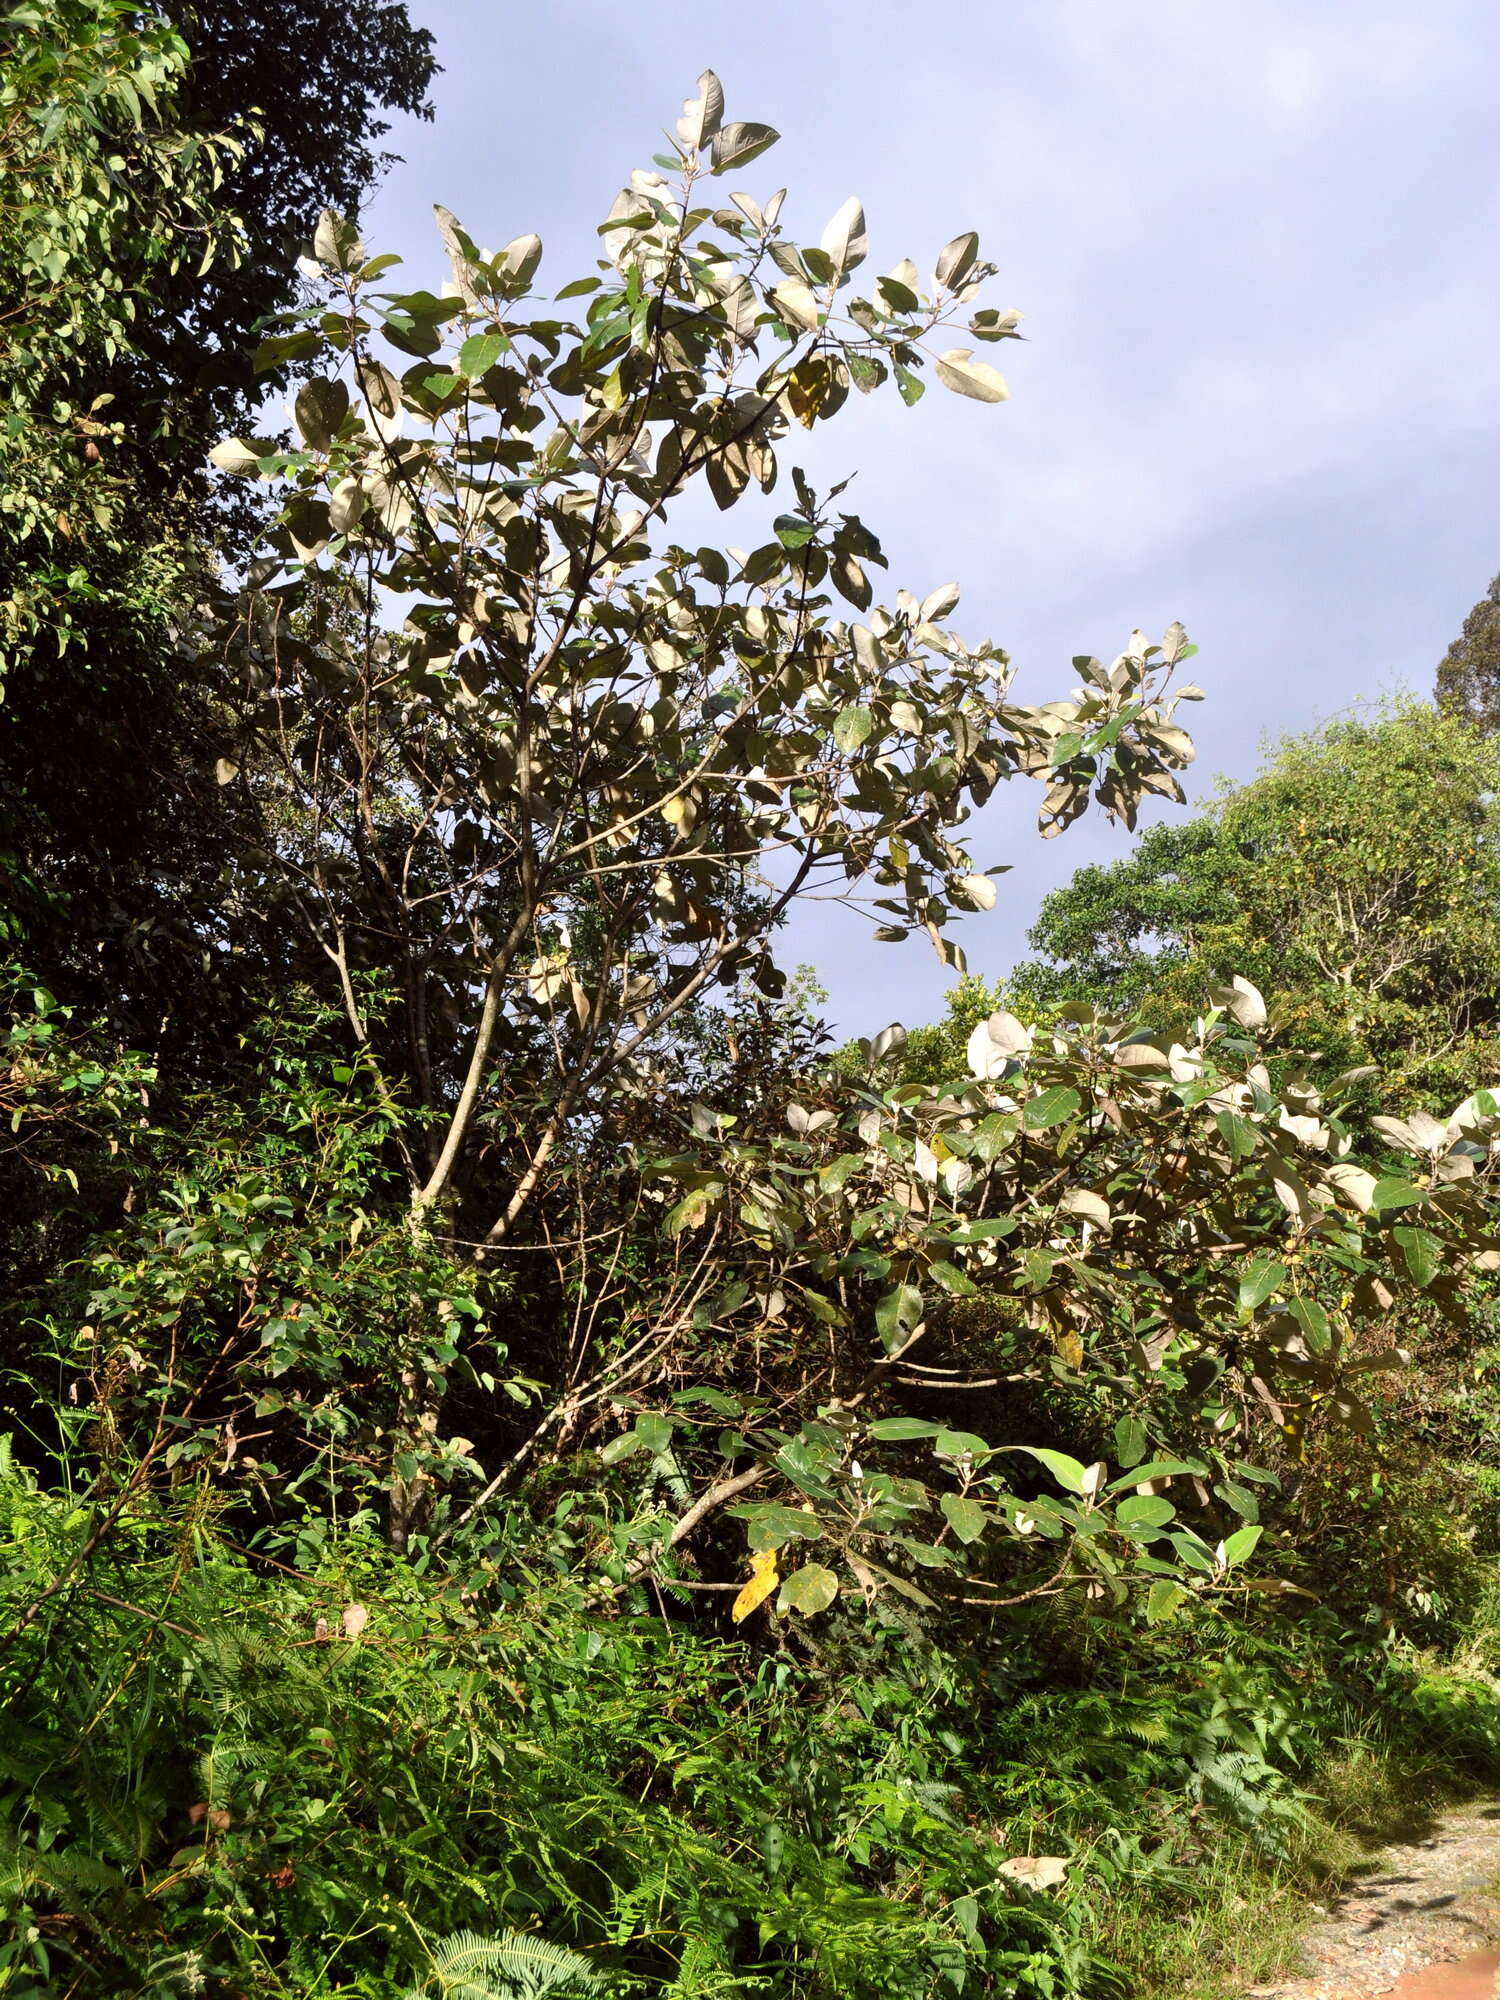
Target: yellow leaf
x,y
763,1580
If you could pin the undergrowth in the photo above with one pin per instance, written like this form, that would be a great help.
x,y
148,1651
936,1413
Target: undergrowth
x,y
225,1776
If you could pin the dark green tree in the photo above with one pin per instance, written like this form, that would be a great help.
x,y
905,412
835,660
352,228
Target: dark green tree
x,y
1468,677
1357,879
163,166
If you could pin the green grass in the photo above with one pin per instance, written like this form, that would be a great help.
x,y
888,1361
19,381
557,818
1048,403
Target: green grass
x,y
1384,1778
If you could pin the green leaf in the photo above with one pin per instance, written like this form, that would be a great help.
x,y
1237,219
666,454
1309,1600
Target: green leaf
x,y
987,1230
926,1555
852,727
282,347
897,1314
902,1585
1145,1510
1240,1544
1130,1441
898,1430
692,1211
961,1444
1261,1277
1159,1468
967,1518
912,387
655,1432
623,1446
1050,1107
1192,1550
1240,1498
479,354
1163,1601
792,531
899,297
1421,1252
771,1525
1394,1192
711,1399
1068,1472
1313,1321
809,1590
1238,1133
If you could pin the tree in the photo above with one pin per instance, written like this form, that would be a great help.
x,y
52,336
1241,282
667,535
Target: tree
x,y
556,783
161,166
1356,878
165,165
575,790
302,84
1468,677
514,1215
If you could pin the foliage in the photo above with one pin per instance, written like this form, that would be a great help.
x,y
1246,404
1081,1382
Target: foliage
x,y
223,1773
476,1968
1167,1224
160,166
1468,676
525,1474
304,83
106,197
1355,878
253,1803
564,778
555,800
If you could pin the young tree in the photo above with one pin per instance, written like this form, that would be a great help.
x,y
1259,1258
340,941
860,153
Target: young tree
x,y
578,785
585,778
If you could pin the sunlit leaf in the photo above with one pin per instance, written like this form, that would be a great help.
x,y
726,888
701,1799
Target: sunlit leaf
x,y
764,1580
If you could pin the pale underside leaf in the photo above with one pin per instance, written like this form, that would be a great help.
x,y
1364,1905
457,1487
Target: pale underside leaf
x,y
959,371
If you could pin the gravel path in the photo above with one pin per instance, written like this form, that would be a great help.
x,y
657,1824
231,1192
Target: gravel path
x,y
1423,1923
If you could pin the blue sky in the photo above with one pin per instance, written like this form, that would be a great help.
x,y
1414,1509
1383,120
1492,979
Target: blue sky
x,y
1256,248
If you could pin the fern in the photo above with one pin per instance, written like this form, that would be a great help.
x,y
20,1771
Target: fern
x,y
513,1966
1148,1728
704,1973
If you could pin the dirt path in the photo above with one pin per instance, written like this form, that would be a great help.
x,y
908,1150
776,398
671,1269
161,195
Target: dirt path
x,y
1421,1923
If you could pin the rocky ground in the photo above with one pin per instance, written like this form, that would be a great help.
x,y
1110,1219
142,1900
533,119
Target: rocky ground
x,y
1421,1923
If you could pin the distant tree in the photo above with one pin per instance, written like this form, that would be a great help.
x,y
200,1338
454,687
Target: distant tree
x,y
1468,679
1118,933
937,1049
1357,877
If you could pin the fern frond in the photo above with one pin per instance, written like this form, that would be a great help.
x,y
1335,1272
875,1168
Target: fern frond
x,y
1144,1728
513,1966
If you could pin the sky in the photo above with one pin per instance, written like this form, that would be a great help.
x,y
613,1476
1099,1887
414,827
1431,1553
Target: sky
x,y
1255,246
